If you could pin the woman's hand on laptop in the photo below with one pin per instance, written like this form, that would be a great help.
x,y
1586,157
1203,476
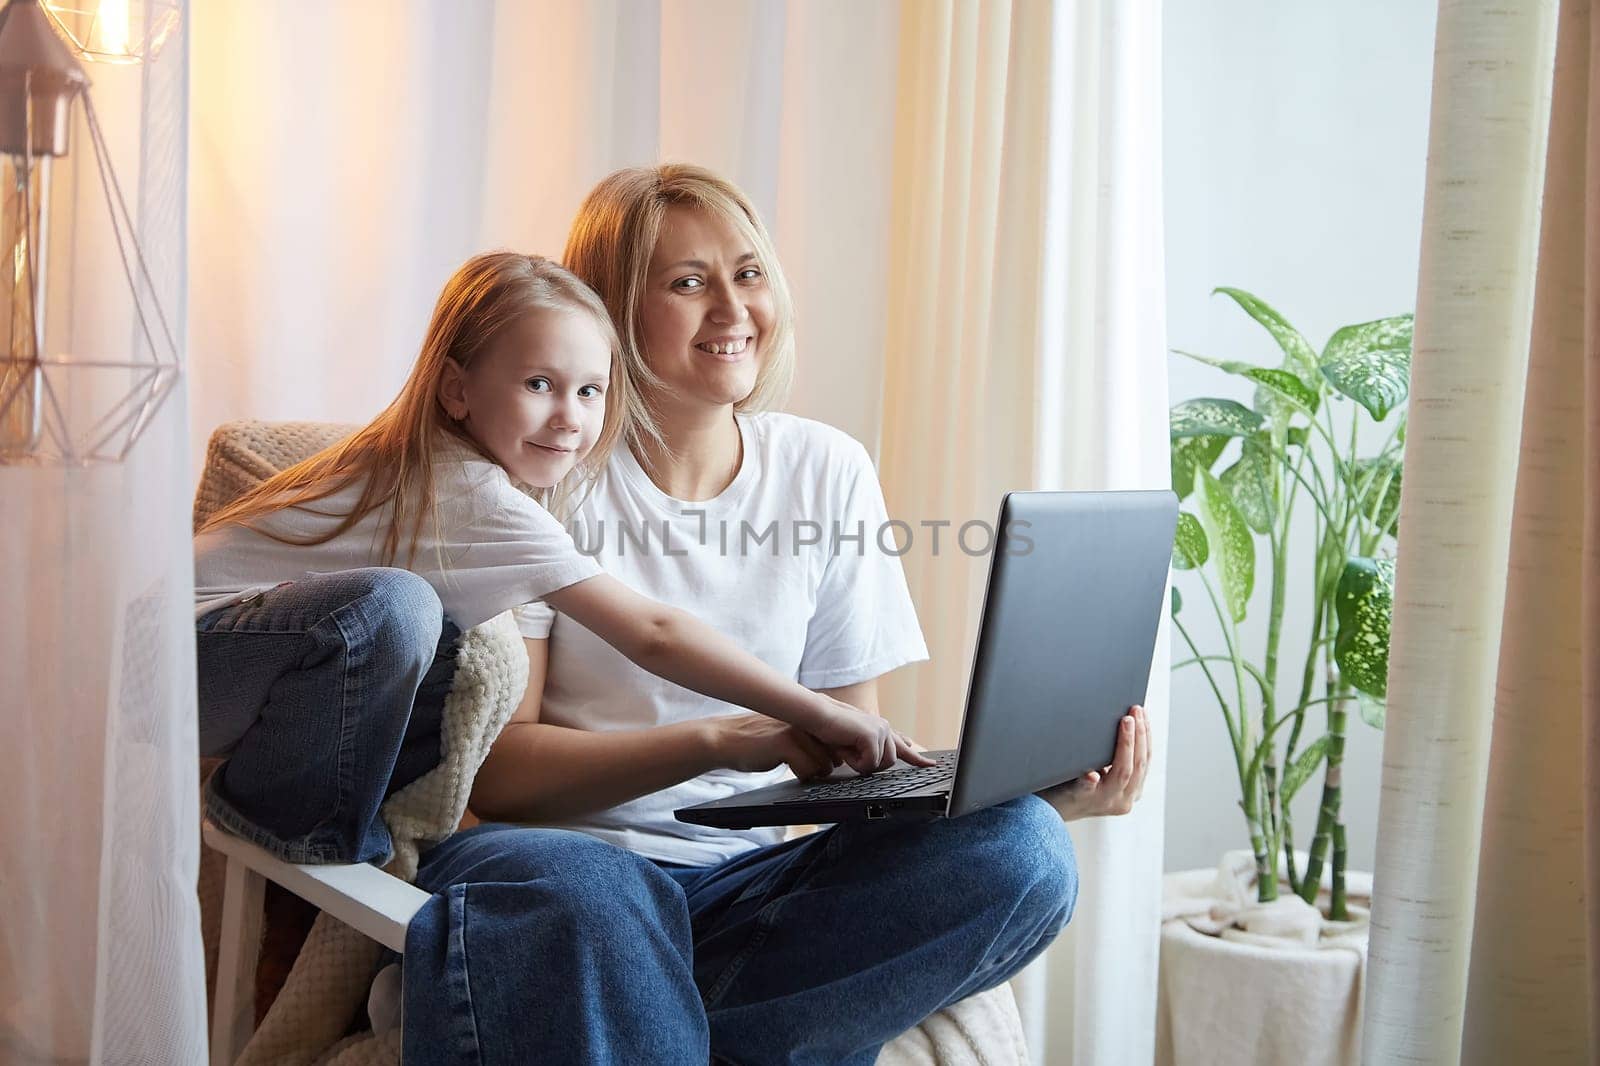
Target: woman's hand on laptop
x,y
1115,789
754,743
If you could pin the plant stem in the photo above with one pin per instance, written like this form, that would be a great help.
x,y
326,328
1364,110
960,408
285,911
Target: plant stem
x,y
1266,866
1225,622
1369,542
1332,791
1233,732
1269,767
1355,423
1265,855
1260,681
1288,850
1325,699
1302,705
1316,492
1337,907
1286,816
1308,676
1334,799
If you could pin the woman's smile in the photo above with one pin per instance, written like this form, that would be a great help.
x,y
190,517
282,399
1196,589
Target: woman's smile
x,y
730,349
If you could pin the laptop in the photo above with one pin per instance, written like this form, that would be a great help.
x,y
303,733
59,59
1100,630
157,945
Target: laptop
x,y
1077,585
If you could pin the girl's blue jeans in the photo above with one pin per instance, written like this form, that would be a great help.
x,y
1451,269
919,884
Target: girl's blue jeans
x,y
325,696
550,946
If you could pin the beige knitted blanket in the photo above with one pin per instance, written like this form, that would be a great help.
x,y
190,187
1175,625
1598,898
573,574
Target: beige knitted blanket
x,y
329,982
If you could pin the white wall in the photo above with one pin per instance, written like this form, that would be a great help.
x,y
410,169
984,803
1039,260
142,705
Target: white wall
x,y
1295,142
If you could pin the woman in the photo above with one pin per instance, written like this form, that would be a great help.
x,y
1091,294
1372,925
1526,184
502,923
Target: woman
x,y
628,936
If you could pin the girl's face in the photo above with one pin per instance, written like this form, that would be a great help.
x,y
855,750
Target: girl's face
x,y
535,400
705,311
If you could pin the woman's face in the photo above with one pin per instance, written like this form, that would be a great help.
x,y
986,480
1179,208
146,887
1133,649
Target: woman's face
x,y
705,312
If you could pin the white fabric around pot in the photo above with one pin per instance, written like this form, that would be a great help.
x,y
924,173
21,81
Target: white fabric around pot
x,y
1246,983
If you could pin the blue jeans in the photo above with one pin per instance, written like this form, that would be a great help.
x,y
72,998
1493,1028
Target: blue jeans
x,y
549,946
325,696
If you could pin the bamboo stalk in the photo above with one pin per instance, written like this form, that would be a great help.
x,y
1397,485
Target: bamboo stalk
x,y
1288,850
1266,868
1332,797
1337,908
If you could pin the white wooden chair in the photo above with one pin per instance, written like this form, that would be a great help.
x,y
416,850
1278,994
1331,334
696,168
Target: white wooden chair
x,y
361,896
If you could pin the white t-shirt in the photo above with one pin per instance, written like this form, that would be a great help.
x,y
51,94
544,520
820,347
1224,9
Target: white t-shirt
x,y
500,548
831,612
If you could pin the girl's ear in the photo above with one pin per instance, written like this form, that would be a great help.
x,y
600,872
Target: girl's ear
x,y
453,390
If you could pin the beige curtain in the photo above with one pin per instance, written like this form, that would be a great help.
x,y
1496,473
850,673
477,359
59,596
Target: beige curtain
x,y
1486,940
1025,349
1533,988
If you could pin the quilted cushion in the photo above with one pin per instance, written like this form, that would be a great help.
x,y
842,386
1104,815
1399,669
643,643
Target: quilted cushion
x,y
243,454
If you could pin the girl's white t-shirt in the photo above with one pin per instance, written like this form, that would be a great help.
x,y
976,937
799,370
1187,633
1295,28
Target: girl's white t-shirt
x,y
787,561
499,547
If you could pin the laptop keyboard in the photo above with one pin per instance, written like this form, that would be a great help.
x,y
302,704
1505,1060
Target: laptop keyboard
x,y
889,782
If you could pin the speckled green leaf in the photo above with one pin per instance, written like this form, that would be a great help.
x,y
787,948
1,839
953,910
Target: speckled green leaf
x,y
1298,435
1272,407
1209,416
1190,454
1231,543
1299,356
1281,385
1189,547
1284,385
1250,482
1272,400
1364,603
1371,363
1373,710
1373,475
1302,768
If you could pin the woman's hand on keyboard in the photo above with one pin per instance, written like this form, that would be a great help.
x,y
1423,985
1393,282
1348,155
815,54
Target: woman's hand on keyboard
x,y
865,741
754,742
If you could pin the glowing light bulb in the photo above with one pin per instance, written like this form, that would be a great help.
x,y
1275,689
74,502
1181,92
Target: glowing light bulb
x,y
115,31
111,22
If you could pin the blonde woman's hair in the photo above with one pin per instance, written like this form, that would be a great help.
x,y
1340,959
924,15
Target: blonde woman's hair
x,y
614,235
395,452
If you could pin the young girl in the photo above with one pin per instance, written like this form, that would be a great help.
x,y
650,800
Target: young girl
x,y
330,596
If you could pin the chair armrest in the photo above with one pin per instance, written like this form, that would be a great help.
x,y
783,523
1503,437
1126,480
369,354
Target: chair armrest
x,y
363,897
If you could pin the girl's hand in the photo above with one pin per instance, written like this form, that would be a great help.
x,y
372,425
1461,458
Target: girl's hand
x,y
754,742
865,741
1115,789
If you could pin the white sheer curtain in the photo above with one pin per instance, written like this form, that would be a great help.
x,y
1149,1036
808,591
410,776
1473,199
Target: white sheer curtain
x,y
347,157
100,940
1485,922
1026,349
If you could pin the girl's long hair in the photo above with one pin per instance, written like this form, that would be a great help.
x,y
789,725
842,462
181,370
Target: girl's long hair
x,y
395,452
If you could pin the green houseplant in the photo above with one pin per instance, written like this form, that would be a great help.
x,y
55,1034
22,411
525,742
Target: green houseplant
x,y
1289,445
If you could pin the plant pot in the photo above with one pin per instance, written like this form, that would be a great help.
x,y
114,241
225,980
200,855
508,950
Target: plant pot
x,y
1247,984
